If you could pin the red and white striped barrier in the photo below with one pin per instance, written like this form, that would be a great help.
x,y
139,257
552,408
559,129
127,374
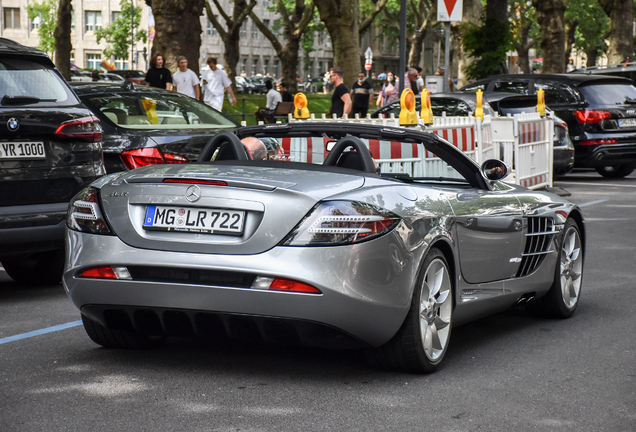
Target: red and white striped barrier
x,y
524,142
533,150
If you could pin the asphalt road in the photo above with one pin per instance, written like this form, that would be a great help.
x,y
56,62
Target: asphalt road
x,y
509,372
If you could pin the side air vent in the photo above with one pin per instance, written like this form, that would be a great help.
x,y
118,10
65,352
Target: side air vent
x,y
539,237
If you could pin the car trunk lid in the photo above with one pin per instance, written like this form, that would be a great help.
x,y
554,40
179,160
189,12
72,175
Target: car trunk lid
x,y
217,209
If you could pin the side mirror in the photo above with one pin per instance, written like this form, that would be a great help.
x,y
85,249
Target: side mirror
x,y
494,169
330,145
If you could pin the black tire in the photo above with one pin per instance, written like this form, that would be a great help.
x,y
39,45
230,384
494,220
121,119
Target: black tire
x,y
429,320
42,268
563,297
118,339
615,171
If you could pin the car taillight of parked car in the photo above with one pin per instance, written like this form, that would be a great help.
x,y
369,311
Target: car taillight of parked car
x,y
149,156
85,128
591,116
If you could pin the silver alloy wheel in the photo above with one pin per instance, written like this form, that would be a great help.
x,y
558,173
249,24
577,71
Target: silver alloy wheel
x,y
571,267
435,310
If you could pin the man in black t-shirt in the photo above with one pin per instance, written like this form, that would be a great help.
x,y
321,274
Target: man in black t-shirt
x,y
340,100
361,92
285,94
158,76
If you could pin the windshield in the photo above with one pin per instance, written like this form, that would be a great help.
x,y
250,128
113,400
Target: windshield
x,y
157,111
609,94
25,78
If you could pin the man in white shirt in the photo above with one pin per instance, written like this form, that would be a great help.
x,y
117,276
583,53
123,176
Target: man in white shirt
x,y
185,81
216,83
273,97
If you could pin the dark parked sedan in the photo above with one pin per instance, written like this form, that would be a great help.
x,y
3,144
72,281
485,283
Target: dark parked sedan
x,y
150,126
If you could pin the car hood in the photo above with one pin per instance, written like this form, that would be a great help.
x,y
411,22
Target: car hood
x,y
274,201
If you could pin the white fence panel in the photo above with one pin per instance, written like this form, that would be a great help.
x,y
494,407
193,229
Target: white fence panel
x,y
533,150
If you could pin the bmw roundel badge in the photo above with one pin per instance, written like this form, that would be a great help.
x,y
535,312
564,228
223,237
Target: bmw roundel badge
x,y
13,124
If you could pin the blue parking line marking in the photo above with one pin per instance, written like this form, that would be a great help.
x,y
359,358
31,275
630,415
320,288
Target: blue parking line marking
x,y
40,332
593,202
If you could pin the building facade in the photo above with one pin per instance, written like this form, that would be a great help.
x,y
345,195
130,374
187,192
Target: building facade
x,y
258,57
88,17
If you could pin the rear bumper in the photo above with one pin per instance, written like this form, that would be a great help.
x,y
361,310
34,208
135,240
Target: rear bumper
x,y
30,229
590,156
365,295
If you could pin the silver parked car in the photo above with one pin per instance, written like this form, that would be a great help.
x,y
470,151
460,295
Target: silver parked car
x,y
326,254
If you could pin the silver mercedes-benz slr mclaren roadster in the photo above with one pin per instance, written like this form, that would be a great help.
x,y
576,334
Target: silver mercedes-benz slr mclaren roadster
x,y
319,249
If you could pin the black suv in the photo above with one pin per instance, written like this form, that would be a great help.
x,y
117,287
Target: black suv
x,y
600,112
50,149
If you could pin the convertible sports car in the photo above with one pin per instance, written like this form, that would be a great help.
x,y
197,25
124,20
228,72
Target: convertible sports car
x,y
319,250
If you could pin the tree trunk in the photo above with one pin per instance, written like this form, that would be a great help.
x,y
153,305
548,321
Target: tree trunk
x,y
289,60
341,20
415,54
295,24
231,36
621,41
471,14
62,35
551,20
570,32
178,31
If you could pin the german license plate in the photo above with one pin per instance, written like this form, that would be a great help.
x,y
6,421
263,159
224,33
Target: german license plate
x,y
195,220
627,122
22,150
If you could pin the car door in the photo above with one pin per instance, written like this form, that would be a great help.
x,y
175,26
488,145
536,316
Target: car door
x,y
489,227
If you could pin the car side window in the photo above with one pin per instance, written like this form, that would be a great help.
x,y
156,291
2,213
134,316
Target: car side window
x,y
475,87
511,87
553,95
570,94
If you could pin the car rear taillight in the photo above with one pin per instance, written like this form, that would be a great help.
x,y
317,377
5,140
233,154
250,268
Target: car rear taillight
x,y
106,272
149,156
342,222
599,141
284,285
591,116
85,128
85,214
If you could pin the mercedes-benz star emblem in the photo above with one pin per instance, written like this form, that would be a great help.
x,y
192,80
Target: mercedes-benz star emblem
x,y
13,124
193,193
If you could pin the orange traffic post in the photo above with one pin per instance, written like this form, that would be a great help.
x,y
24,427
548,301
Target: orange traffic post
x,y
541,102
301,111
479,110
426,113
408,116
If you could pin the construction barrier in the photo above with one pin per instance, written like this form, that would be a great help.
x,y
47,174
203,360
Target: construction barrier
x,y
523,141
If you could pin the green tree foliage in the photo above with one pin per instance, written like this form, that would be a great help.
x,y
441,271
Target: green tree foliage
x,y
525,30
593,25
117,35
488,45
46,13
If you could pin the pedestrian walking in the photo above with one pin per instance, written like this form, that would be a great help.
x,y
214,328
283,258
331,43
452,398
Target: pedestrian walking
x,y
389,92
362,95
185,81
420,80
410,81
216,83
158,75
340,99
